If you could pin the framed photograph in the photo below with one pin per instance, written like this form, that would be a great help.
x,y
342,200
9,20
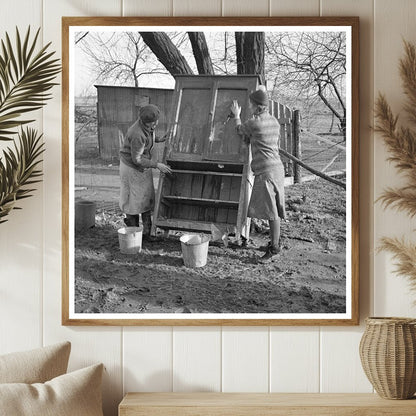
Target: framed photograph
x,y
210,171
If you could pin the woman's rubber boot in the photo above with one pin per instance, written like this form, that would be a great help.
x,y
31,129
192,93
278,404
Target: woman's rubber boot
x,y
147,228
272,254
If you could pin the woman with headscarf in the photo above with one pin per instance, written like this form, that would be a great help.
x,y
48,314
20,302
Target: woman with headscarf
x,y
138,157
262,132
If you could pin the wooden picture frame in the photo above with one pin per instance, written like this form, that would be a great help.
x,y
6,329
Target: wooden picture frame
x,y
78,302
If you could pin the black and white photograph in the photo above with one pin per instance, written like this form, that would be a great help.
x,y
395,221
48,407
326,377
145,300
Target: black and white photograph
x,y
211,172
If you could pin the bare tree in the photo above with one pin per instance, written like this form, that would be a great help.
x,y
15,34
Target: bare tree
x,y
312,62
166,52
249,53
122,57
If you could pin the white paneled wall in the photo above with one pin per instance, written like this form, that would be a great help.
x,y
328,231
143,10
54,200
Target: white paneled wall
x,y
336,345
148,359
196,355
259,359
245,359
21,238
89,345
294,351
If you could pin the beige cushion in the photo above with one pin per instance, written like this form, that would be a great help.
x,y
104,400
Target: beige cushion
x,y
35,366
73,394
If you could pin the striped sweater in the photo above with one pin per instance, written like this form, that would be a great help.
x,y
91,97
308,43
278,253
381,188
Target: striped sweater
x,y
262,131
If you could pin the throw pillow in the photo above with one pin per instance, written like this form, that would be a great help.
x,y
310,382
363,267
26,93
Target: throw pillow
x,y
73,394
35,366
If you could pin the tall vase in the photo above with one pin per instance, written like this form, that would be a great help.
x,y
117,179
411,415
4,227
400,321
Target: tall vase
x,y
388,356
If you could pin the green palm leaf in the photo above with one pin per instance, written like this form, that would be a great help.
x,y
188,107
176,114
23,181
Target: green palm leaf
x,y
25,79
19,169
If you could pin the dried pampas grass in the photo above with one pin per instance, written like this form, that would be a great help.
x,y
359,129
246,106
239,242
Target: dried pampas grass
x,y
405,254
401,142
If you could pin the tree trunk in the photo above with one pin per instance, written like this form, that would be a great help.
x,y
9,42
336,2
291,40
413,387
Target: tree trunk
x,y
167,53
250,53
201,53
239,42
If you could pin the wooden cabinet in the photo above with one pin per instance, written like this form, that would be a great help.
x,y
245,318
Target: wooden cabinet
x,y
211,181
201,127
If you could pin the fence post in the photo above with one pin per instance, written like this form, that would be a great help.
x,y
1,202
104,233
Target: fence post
x,y
297,151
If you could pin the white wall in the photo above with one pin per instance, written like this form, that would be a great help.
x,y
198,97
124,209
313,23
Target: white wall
x,y
263,359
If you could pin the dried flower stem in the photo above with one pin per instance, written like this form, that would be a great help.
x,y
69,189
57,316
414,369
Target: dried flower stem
x,y
401,142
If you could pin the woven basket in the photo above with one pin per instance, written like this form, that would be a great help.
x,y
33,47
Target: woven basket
x,y
388,356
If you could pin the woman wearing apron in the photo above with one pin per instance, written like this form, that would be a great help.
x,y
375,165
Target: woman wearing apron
x,y
137,159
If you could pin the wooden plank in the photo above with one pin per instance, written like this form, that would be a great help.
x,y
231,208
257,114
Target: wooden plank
x,y
157,209
211,214
289,138
207,142
196,359
206,172
235,215
182,187
205,166
185,212
296,146
224,195
201,201
177,224
235,190
208,187
216,404
232,217
216,190
197,183
173,124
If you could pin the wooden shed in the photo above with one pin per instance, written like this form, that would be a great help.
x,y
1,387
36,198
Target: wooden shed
x,y
117,110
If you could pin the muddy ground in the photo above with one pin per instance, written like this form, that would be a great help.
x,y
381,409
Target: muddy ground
x,y
308,277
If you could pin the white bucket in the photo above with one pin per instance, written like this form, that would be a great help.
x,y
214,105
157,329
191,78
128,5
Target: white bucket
x,y
130,239
194,249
